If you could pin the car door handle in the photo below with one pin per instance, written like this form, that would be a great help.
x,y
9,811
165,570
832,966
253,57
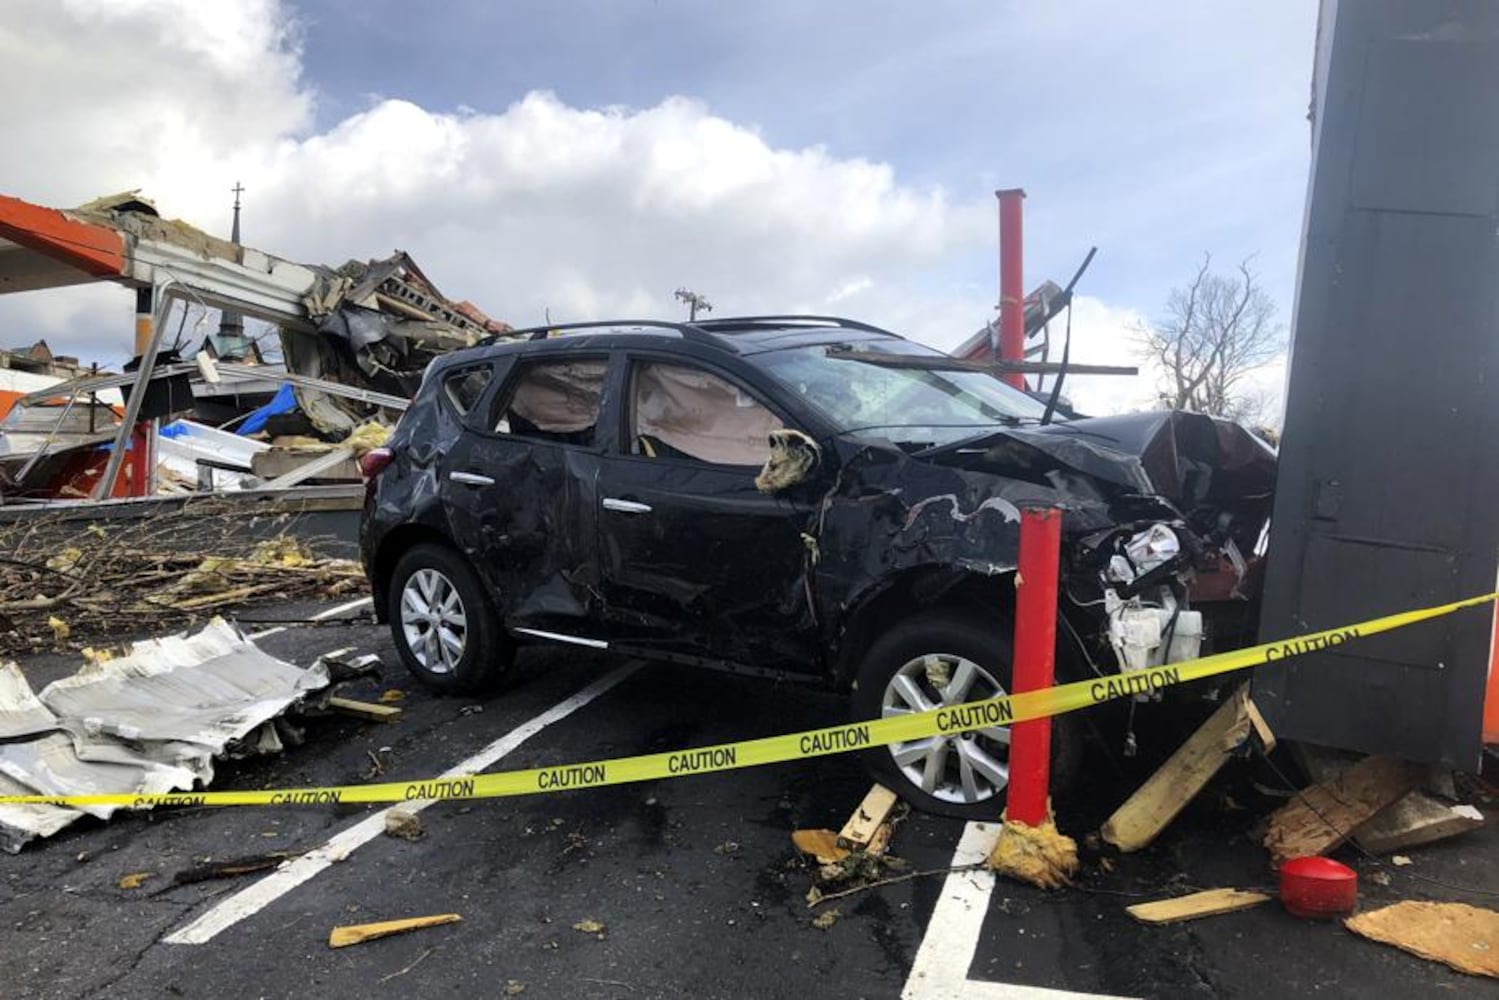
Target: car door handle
x,y
626,506
470,479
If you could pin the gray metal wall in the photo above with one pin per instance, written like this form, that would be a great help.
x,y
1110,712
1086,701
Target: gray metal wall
x,y
1388,497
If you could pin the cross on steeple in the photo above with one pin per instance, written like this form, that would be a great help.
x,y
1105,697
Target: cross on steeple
x,y
238,190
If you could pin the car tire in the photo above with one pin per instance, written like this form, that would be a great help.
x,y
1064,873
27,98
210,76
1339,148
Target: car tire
x,y
444,624
955,776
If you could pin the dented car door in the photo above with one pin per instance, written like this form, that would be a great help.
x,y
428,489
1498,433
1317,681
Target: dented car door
x,y
518,489
695,559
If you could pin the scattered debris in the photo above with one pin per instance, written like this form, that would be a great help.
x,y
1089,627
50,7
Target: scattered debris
x,y
1157,802
792,455
816,896
1040,855
1208,903
391,695
1423,816
1400,861
142,574
1414,820
1465,938
867,818
342,937
134,879
209,870
588,925
938,672
146,722
407,968
858,868
820,844
366,710
826,919
403,824
880,842
513,988
1326,814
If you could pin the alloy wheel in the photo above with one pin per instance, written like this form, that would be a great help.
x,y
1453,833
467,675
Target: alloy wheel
x,y
433,620
966,768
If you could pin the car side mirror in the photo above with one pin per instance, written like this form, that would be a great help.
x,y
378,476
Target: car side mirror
x,y
794,456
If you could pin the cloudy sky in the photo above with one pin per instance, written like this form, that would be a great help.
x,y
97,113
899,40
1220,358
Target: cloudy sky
x,y
587,157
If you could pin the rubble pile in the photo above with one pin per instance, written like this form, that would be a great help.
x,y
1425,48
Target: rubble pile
x,y
165,571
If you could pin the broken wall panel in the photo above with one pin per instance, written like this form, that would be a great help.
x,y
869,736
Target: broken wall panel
x,y
1388,470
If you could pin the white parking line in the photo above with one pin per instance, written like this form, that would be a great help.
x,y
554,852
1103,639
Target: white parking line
x,y
271,888
940,971
320,616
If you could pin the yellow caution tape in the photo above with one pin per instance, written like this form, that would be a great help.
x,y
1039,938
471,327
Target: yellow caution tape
x,y
1002,711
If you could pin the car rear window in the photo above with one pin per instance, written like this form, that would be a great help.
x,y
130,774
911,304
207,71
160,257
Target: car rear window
x,y
554,401
463,388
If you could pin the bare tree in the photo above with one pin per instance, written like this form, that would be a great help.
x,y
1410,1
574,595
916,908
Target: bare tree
x,y
1216,331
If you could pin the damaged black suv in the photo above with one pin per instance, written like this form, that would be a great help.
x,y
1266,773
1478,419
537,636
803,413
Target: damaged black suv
x,y
803,495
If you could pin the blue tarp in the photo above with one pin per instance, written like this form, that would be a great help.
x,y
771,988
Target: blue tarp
x,y
283,402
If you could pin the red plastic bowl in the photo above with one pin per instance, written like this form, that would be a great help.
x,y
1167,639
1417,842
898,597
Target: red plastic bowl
x,y
1318,888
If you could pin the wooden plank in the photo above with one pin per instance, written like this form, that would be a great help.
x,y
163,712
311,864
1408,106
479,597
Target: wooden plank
x,y
1259,725
1463,937
1157,802
308,469
365,709
1418,818
865,822
880,842
1321,817
821,844
1415,820
1199,904
342,937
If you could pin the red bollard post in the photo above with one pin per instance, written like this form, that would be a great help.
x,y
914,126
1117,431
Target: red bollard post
x,y
1035,661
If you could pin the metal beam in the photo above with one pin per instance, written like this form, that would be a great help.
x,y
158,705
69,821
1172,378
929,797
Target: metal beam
x,y
398,403
157,318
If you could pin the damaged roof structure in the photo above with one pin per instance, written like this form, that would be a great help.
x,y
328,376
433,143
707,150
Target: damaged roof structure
x,y
355,339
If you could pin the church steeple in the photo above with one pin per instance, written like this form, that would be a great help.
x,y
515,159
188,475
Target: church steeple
x,y
229,343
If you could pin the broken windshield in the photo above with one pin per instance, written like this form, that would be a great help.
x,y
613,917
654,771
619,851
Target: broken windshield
x,y
912,407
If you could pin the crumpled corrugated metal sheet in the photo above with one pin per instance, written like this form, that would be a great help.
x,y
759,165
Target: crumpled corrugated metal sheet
x,y
151,721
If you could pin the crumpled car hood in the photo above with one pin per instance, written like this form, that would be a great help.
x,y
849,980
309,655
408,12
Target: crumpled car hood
x,y
1188,458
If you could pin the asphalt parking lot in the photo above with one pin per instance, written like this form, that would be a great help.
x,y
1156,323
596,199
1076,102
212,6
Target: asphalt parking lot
x,y
695,882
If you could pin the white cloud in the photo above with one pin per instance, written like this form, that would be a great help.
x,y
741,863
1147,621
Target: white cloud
x,y
542,208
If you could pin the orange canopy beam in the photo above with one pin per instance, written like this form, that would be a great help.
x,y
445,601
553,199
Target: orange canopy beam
x,y
93,249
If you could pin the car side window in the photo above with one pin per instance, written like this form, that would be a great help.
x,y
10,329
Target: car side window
x,y
556,401
677,411
463,388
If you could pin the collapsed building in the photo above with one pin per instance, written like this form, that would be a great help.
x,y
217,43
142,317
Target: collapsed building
x,y
186,418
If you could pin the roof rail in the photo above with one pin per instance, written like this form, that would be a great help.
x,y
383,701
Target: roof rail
x,y
750,322
687,330
705,331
